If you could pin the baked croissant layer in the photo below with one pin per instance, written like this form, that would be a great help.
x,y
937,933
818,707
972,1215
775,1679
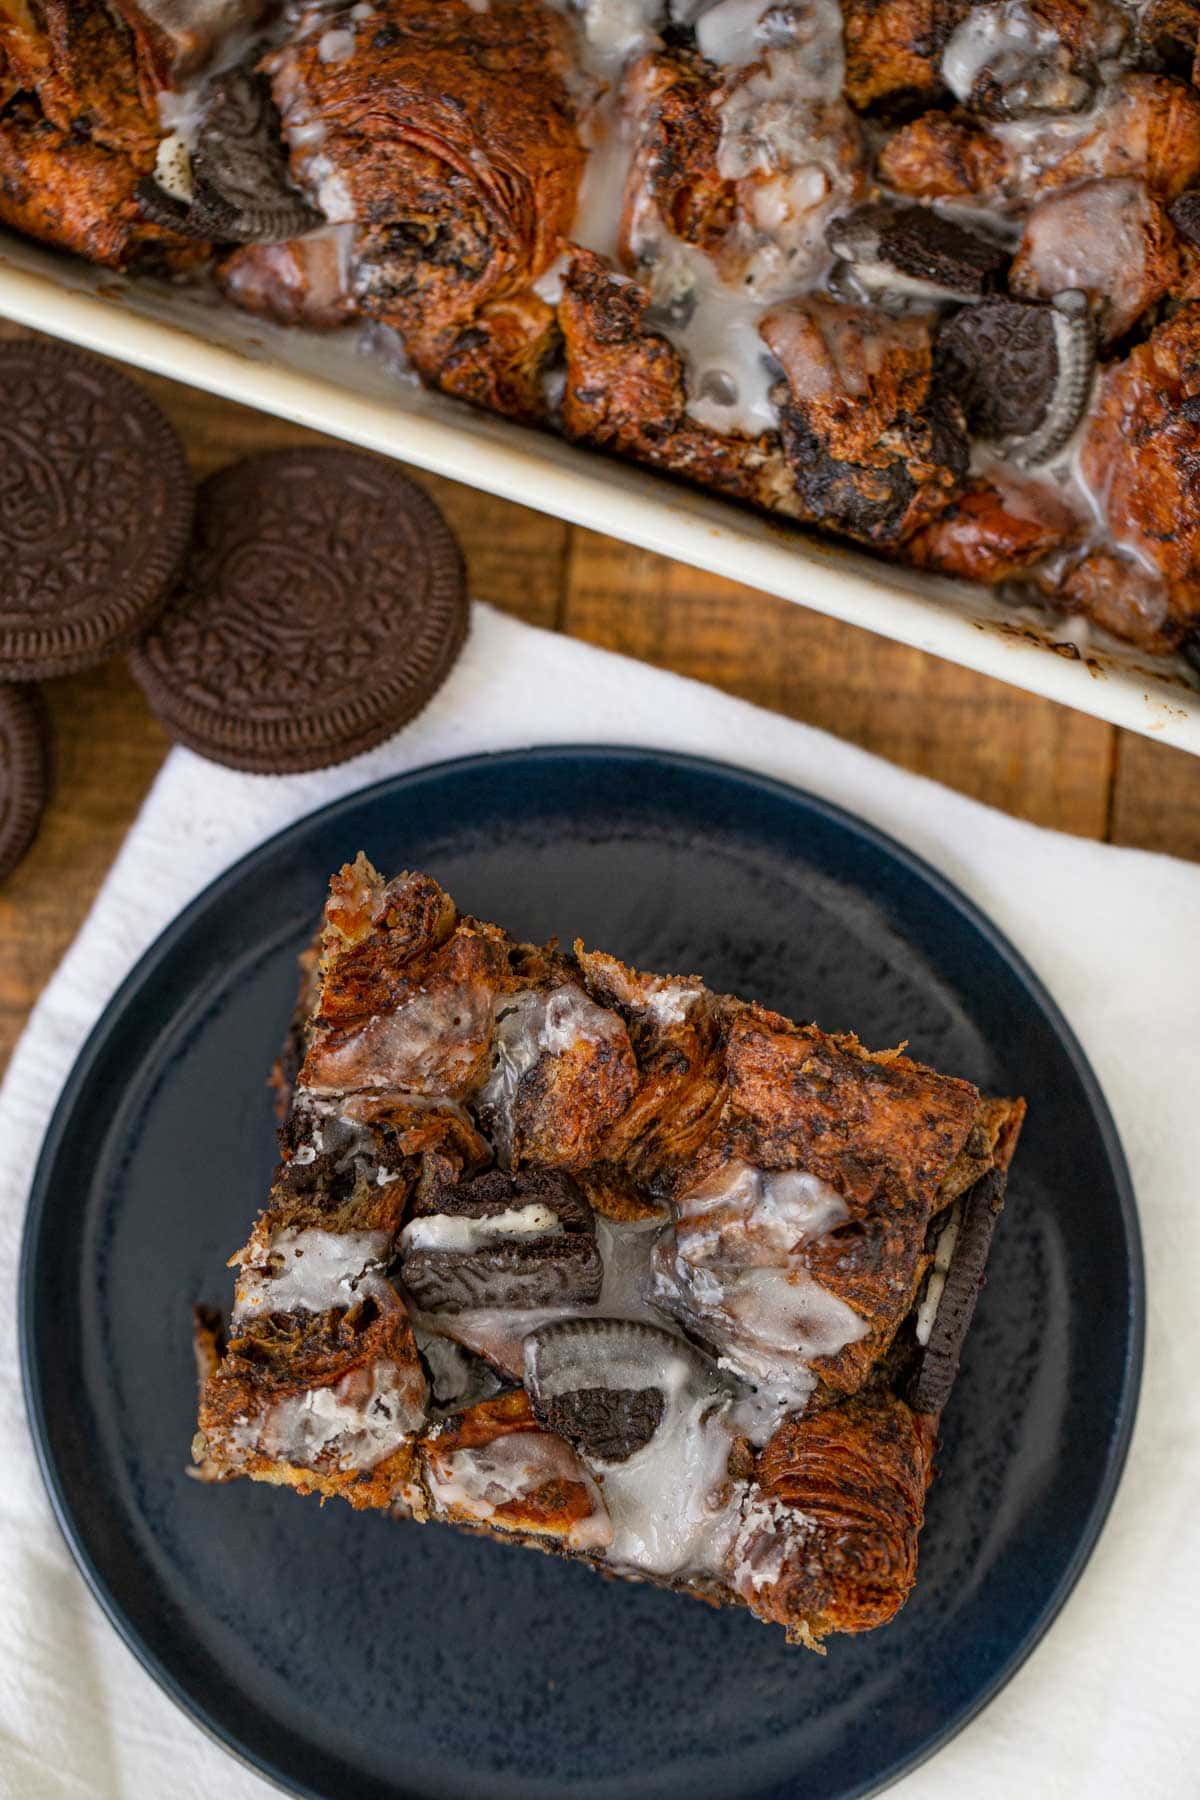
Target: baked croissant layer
x,y
603,1263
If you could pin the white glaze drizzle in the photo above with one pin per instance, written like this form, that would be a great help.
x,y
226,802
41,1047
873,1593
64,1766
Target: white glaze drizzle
x,y
733,1268
311,1270
351,1425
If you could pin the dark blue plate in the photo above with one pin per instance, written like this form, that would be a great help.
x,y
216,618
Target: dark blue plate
x,y
345,1655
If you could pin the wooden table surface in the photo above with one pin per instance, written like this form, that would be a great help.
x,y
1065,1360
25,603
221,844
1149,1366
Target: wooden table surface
x,y
1029,756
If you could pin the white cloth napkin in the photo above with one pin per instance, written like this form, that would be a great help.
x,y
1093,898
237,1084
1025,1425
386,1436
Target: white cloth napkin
x,y
1108,1705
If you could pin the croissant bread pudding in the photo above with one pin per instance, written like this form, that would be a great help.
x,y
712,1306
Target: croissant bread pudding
x,y
923,274
605,1264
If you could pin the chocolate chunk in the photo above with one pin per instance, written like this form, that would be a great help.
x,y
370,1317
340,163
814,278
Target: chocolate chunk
x,y
23,763
511,1241
936,1372
603,1383
95,508
912,249
1022,372
1184,215
609,1423
240,189
1190,649
324,604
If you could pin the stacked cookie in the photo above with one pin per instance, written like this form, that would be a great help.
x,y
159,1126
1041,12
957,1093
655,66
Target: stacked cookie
x,y
295,610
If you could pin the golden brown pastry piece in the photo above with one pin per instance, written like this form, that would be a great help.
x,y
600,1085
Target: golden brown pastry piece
x,y
79,133
1111,239
1147,130
894,48
856,1475
1139,455
448,132
991,533
71,192
876,447
605,1263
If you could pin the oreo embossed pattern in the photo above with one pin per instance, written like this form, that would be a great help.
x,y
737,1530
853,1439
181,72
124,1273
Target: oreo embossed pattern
x,y
95,510
324,603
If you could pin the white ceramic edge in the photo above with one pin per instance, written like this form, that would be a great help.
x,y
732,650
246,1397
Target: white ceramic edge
x,y
965,625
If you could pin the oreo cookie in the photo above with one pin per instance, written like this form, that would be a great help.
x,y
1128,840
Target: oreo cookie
x,y
512,1241
606,1384
323,605
233,186
911,250
95,510
23,772
1022,372
937,1369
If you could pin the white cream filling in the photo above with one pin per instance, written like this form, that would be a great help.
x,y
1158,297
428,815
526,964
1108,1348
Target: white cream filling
x,y
670,1502
942,1257
714,326
458,1231
1000,38
173,167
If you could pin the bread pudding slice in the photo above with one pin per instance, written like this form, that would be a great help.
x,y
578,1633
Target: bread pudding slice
x,y
603,1263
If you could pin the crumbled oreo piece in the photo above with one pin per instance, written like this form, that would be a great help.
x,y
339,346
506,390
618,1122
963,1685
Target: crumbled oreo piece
x,y
914,250
237,173
1184,214
23,772
938,1368
608,1423
1022,372
509,1241
604,1383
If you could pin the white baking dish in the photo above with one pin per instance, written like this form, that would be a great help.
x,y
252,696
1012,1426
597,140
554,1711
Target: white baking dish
x,y
328,383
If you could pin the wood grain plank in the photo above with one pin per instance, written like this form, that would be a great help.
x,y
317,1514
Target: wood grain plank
x,y
1156,798
1010,749
106,751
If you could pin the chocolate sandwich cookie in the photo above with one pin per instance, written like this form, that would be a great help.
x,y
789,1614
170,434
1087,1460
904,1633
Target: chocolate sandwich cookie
x,y
912,250
233,185
1022,372
324,603
23,772
524,1240
606,1385
937,1370
95,510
